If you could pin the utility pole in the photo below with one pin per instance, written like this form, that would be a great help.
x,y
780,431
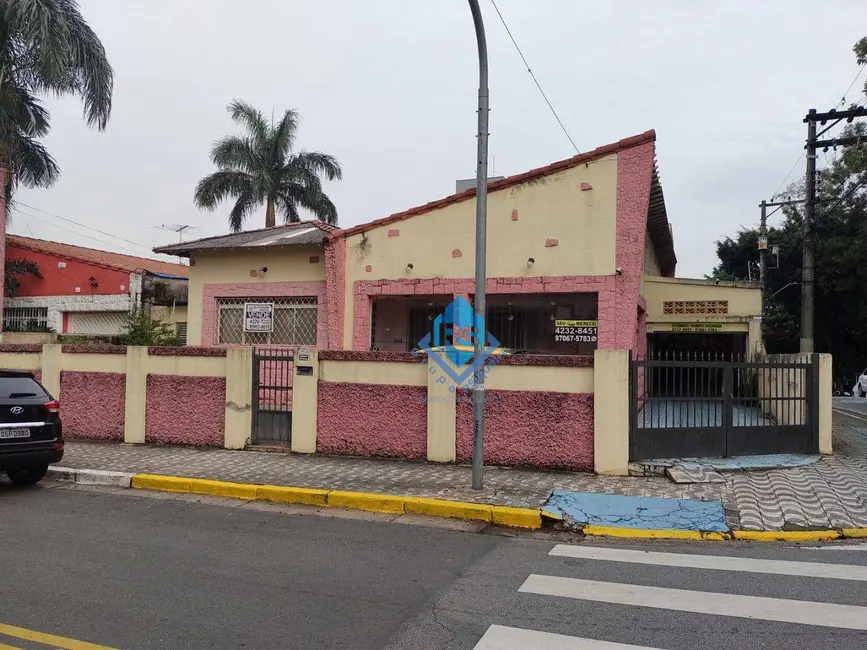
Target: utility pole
x,y
763,247
808,287
481,246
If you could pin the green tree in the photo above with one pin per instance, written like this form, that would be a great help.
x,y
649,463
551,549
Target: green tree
x,y
12,268
46,47
143,329
260,167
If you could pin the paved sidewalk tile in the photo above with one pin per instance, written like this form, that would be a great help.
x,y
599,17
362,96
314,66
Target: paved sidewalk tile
x,y
830,493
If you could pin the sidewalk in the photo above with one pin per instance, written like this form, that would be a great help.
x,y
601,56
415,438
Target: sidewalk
x,y
831,493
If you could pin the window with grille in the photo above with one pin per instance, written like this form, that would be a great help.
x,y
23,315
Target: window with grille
x,y
181,332
24,319
294,322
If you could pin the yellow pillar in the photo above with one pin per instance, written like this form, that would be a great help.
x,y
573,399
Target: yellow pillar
x,y
611,412
826,393
136,394
305,388
441,414
755,341
239,391
51,366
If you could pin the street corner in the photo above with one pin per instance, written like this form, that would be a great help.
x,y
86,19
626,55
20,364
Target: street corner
x,y
587,512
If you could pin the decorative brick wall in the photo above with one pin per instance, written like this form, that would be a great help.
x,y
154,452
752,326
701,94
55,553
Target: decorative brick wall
x,y
335,279
92,405
185,410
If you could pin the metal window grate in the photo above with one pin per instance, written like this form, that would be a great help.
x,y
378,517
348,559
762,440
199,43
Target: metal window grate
x,y
181,331
25,318
295,322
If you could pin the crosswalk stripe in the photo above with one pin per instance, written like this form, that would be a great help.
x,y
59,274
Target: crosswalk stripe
x,y
700,602
500,637
717,562
843,547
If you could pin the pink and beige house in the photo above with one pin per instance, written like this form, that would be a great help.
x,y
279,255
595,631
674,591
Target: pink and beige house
x,y
587,239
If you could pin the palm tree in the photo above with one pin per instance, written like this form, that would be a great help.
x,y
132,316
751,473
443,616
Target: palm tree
x,y
261,167
46,46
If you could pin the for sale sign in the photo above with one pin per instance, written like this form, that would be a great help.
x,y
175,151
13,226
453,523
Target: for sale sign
x,y
259,317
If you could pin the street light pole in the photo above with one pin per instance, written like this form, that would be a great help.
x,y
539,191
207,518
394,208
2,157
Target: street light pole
x,y
481,236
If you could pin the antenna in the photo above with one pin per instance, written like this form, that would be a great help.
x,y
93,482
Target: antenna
x,y
179,228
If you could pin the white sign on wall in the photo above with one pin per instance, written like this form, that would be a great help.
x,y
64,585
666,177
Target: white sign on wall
x,y
259,317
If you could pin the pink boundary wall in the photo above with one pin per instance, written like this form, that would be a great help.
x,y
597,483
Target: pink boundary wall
x,y
211,292
545,430
372,420
604,285
92,405
185,410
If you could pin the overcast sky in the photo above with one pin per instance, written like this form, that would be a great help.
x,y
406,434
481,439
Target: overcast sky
x,y
389,87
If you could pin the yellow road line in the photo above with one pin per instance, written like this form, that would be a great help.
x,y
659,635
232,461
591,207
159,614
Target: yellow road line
x,y
47,639
3,646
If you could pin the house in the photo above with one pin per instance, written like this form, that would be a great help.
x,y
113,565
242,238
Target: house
x,y
583,240
89,291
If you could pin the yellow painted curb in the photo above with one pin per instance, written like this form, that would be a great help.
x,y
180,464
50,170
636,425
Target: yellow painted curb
x,y
367,501
451,509
306,496
500,515
855,533
642,533
787,535
162,483
223,489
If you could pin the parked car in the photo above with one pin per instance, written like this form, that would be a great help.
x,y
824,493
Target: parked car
x,y
860,388
31,435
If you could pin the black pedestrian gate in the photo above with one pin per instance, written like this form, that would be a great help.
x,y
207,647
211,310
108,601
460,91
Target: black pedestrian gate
x,y
272,397
694,405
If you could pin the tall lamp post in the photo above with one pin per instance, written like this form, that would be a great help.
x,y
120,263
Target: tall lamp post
x,y
481,236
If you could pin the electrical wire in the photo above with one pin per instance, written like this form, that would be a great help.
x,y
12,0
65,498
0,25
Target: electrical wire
x,y
101,232
801,157
848,194
536,81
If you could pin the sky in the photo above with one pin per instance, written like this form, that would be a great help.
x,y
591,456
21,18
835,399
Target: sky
x,y
389,87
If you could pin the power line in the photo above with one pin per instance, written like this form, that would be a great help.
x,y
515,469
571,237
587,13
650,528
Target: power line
x,y
801,157
101,232
54,225
538,85
848,194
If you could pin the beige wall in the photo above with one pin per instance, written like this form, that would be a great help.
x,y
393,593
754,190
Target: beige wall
x,y
553,207
745,301
284,263
651,261
170,315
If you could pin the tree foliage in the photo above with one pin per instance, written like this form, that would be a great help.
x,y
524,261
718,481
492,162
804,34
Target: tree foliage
x,y
261,167
841,259
46,47
143,329
14,267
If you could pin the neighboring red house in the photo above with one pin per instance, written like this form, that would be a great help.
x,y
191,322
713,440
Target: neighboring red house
x,y
85,290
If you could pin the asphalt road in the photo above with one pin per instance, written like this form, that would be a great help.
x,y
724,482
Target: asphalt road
x,y
133,570
856,404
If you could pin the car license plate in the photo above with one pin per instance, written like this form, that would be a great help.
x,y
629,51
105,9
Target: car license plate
x,y
14,433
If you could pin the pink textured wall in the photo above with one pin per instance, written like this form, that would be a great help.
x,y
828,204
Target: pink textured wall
x,y
185,410
92,404
335,288
549,430
211,292
372,420
603,285
634,175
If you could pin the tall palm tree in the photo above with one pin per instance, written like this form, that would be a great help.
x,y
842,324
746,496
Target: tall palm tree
x,y
261,167
46,46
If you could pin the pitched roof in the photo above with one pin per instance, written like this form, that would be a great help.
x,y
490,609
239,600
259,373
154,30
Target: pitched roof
x,y
128,263
291,234
509,181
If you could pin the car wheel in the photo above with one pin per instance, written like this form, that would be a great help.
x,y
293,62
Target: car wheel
x,y
27,475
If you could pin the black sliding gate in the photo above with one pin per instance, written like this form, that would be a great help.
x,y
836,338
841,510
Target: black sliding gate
x,y
272,397
692,405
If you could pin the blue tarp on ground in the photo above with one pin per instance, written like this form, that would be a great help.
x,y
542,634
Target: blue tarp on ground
x,y
651,513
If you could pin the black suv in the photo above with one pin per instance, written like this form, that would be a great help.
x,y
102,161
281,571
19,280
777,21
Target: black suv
x,y
31,436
